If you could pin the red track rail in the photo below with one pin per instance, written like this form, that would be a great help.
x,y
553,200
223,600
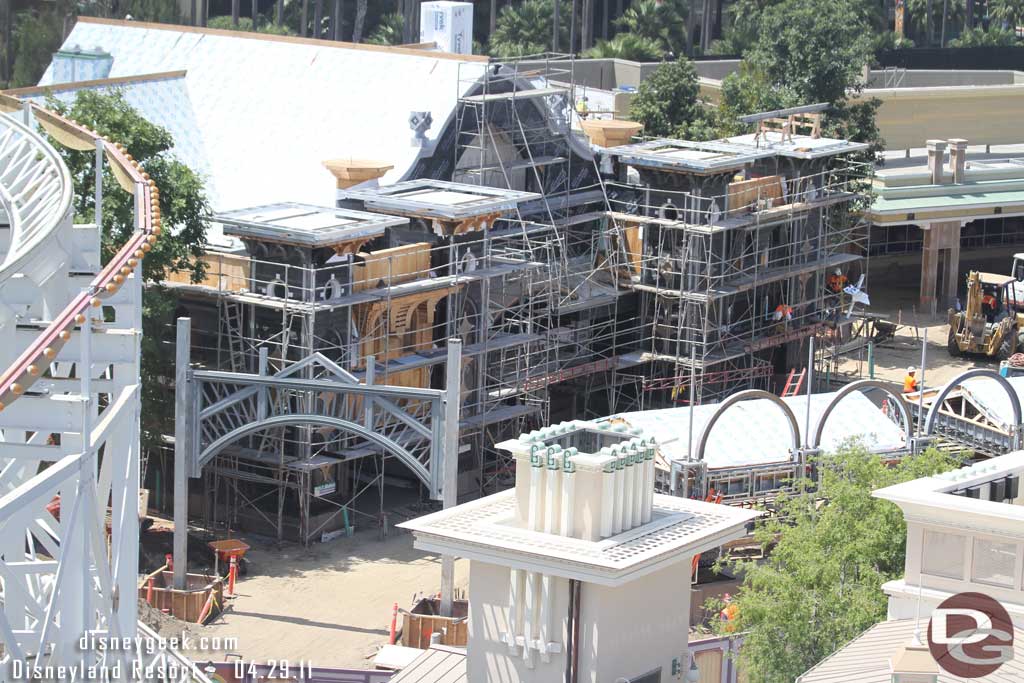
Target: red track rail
x,y
17,378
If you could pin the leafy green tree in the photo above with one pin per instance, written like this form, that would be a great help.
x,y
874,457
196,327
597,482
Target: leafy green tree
x,y
36,38
184,211
245,24
742,26
666,102
978,37
628,46
807,51
821,584
890,40
660,22
817,49
388,31
1010,13
525,28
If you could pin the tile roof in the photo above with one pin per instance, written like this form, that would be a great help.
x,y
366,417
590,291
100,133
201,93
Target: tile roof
x,y
865,659
439,664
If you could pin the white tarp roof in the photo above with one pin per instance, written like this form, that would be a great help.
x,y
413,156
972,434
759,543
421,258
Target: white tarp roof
x,y
993,399
756,432
260,114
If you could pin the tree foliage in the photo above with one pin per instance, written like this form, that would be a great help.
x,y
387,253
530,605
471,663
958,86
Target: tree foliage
x,y
817,50
806,52
36,37
1010,13
978,37
926,17
183,208
525,28
388,31
833,550
264,25
628,46
742,26
662,23
666,101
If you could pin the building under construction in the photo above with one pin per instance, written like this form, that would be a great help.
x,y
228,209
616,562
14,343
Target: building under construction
x,y
582,280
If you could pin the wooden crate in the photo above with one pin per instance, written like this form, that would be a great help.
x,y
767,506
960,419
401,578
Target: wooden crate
x,y
423,620
185,604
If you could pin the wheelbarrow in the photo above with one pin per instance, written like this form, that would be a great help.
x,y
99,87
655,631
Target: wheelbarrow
x,y
224,550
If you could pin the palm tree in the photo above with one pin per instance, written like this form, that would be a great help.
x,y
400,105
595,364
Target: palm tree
x,y
628,46
526,29
663,22
1009,12
357,27
926,15
388,31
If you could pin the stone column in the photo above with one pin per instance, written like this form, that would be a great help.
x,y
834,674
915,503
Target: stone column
x,y
938,236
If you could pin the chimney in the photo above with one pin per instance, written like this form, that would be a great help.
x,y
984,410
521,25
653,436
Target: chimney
x,y
913,663
958,158
936,159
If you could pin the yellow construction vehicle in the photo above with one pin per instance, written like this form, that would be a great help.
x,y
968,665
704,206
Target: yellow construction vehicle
x,y
989,324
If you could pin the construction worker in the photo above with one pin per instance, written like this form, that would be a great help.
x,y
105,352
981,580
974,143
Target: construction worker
x,y
989,306
783,315
582,108
910,381
836,281
729,613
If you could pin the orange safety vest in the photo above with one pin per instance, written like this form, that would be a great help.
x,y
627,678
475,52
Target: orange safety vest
x,y
909,384
784,311
728,615
836,282
988,300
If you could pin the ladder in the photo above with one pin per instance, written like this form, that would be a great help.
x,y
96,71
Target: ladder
x,y
793,383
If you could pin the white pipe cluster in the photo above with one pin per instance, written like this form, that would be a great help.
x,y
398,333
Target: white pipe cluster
x,y
627,486
619,481
532,620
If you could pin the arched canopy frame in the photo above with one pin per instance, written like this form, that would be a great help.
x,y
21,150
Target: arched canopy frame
x,y
933,412
865,385
749,395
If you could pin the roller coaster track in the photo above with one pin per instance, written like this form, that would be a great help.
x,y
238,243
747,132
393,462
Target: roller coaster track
x,y
70,332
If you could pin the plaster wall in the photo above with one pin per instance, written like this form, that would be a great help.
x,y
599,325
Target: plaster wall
x,y
625,632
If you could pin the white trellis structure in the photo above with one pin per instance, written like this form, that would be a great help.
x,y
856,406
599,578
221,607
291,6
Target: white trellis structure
x,y
70,331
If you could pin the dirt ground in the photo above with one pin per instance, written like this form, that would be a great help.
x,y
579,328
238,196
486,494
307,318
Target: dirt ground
x,y
895,298
331,604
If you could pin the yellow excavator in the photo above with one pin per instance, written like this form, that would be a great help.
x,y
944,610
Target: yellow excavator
x,y
990,323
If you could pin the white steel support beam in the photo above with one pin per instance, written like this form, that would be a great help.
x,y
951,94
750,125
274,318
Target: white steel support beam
x,y
450,486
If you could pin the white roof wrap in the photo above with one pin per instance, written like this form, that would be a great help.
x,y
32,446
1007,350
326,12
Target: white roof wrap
x,y
260,115
756,432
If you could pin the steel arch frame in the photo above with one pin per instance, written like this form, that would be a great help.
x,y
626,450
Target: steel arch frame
x,y
749,395
933,412
298,419
859,385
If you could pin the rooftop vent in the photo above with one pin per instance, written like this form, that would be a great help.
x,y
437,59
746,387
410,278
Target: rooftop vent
x,y
77,64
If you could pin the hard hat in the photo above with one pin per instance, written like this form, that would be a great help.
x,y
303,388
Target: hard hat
x,y
838,272
911,370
